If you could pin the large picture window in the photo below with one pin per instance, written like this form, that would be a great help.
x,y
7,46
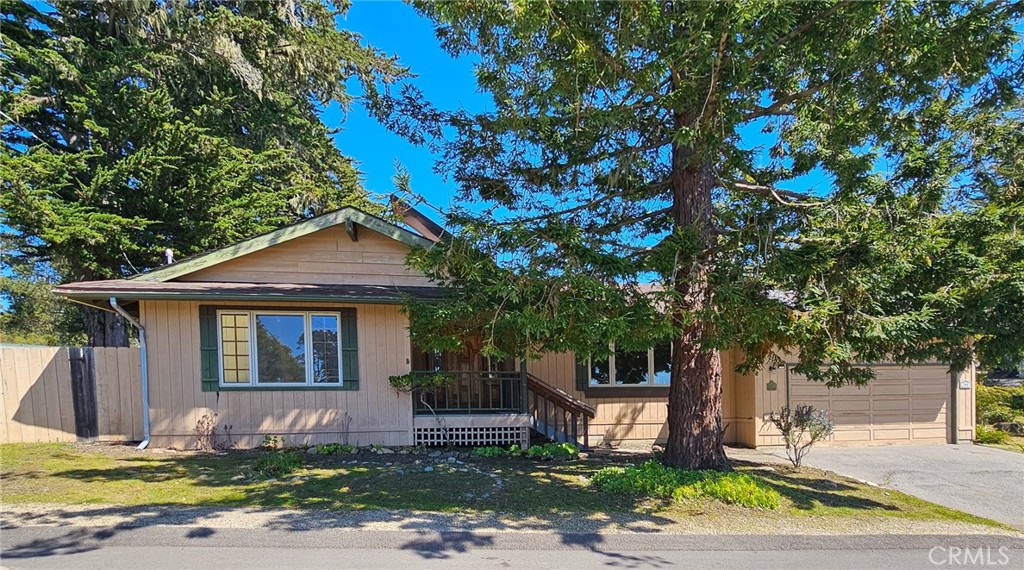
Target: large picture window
x,y
633,368
278,348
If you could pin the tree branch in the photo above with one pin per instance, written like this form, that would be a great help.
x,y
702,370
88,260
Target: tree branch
x,y
776,107
586,205
784,197
635,219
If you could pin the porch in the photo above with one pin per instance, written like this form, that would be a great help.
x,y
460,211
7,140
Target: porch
x,y
497,408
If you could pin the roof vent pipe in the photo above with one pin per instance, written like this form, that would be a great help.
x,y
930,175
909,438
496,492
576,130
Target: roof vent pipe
x,y
145,369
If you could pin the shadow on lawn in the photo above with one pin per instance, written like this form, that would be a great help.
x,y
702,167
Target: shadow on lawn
x,y
806,492
344,496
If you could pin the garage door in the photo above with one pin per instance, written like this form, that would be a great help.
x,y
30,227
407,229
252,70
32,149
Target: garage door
x,y
901,405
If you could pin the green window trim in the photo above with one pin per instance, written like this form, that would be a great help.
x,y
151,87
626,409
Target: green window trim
x,y
209,353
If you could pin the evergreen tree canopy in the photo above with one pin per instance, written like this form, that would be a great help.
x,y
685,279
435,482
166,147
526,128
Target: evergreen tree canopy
x,y
132,126
621,150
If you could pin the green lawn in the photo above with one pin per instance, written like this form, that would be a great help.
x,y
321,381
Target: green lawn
x,y
1015,443
119,475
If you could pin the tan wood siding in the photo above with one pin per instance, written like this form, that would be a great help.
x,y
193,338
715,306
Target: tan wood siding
x,y
327,256
372,414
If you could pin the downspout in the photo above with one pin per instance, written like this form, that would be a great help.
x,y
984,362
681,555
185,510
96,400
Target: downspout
x,y
145,370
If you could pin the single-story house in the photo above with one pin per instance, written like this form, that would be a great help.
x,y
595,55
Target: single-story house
x,y
295,334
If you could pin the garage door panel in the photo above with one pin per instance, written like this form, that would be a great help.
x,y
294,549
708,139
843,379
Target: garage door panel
x,y
849,391
852,435
890,434
929,417
849,405
891,389
889,418
929,403
929,433
883,405
921,388
927,372
806,388
851,419
890,374
819,403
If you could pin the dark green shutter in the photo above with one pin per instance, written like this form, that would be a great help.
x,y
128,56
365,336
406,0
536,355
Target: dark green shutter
x,y
582,365
209,370
349,350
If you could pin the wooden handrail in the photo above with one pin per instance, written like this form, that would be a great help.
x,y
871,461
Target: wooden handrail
x,y
560,397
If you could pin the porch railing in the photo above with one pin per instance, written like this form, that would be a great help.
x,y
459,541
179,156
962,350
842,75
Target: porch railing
x,y
474,393
556,414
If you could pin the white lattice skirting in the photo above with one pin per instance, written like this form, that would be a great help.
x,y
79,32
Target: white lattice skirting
x,y
473,436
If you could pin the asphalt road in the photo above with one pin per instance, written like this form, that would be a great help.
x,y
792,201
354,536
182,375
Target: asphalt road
x,y
167,547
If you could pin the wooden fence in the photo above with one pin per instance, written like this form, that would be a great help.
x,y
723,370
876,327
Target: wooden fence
x,y
69,394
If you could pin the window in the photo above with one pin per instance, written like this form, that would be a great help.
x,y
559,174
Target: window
x,y
633,368
279,348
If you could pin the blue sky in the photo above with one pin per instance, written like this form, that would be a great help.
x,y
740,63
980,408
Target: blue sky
x,y
447,83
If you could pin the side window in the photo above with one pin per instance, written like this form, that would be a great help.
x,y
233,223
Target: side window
x,y
652,367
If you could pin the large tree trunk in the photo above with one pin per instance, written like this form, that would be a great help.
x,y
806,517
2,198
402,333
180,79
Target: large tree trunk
x,y
104,328
695,394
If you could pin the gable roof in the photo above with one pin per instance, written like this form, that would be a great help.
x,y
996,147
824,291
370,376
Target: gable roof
x,y
346,216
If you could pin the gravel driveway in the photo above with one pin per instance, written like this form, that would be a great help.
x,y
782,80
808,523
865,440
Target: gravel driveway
x,y
975,479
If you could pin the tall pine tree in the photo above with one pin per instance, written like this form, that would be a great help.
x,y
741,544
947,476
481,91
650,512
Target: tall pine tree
x,y
671,142
132,126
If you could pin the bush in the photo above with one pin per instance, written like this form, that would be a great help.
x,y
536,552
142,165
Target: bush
x,y
1017,399
998,414
277,464
491,451
553,451
652,479
801,428
985,434
988,397
333,448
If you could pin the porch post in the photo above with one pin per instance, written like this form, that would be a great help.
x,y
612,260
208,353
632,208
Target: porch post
x,y
523,405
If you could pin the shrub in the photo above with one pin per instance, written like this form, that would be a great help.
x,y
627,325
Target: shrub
x,y
333,448
988,397
277,464
985,434
553,451
998,414
493,451
272,442
652,479
801,428
1017,399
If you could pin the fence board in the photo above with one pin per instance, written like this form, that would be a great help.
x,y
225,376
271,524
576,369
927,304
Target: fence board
x,y
65,401
11,396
